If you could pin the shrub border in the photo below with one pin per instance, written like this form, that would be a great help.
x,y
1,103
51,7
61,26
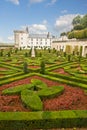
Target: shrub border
x,y
48,119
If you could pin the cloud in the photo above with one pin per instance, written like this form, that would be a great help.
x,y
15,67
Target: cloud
x,y
35,1
51,2
64,23
37,28
11,38
64,11
16,2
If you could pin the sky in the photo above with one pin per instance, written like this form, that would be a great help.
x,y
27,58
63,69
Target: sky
x,y
41,16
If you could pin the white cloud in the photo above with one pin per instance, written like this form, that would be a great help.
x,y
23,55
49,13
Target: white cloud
x,y
14,1
11,38
64,11
51,2
64,23
37,28
36,1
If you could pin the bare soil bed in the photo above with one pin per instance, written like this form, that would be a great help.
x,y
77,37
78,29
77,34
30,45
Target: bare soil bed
x,y
73,98
60,71
34,66
2,68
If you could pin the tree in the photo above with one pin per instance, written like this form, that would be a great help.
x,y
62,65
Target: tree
x,y
76,20
1,52
63,34
25,68
71,35
78,27
42,65
81,51
26,54
84,21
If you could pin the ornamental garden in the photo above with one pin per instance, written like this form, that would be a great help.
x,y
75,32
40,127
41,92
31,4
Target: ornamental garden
x,y
42,92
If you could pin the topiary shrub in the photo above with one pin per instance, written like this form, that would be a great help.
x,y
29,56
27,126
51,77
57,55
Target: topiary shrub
x,y
25,68
42,65
31,94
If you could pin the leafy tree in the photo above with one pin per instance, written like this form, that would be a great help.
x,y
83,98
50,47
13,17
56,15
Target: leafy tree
x,y
64,54
69,57
26,54
16,50
25,67
81,51
9,54
42,65
1,52
71,35
78,27
63,34
84,21
76,20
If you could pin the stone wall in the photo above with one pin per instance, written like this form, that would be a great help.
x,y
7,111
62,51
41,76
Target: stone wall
x,y
58,45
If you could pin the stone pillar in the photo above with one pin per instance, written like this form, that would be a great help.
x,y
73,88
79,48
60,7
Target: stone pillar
x,y
83,51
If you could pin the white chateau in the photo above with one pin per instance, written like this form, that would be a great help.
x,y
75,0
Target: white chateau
x,y
25,40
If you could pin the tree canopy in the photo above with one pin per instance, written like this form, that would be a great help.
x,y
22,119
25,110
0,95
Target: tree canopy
x,y
79,30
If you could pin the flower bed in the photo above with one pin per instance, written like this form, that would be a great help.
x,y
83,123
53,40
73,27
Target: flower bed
x,y
34,66
60,71
3,69
72,97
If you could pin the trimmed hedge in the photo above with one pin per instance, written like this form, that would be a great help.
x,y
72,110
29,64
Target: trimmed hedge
x,y
15,78
31,93
61,80
38,83
31,100
58,66
17,89
51,92
43,120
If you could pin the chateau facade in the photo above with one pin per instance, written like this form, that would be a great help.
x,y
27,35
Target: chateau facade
x,y
25,40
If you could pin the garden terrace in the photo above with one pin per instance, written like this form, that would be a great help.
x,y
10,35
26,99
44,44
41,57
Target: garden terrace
x,y
61,96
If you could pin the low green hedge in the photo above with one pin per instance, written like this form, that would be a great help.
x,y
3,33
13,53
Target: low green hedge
x,y
43,120
31,100
10,66
31,94
11,75
51,92
17,89
15,78
62,80
59,66
70,79
38,83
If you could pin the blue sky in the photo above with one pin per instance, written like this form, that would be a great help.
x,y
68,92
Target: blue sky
x,y
40,16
